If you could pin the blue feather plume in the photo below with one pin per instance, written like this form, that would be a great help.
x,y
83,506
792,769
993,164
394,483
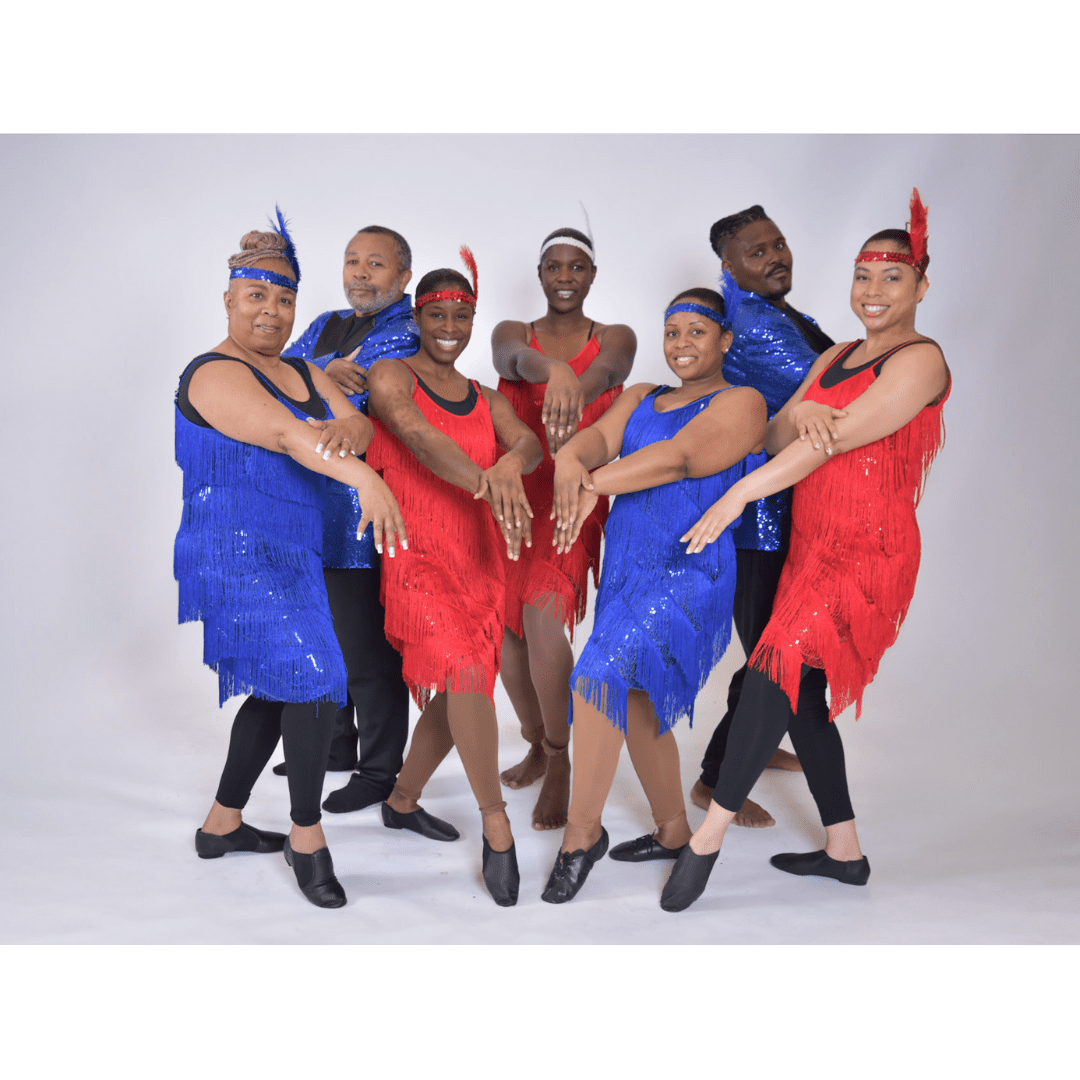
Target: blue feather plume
x,y
732,294
282,229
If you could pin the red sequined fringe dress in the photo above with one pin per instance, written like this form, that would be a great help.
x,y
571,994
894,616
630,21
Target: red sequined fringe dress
x,y
850,571
541,573
444,595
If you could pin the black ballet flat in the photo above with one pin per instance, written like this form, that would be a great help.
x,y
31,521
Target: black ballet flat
x,y
358,794
818,864
501,874
245,838
419,821
315,876
689,876
643,849
571,869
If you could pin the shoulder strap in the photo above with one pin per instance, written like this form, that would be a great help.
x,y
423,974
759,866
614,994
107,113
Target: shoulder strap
x,y
880,362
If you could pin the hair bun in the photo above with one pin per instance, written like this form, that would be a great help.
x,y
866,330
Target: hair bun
x,y
256,246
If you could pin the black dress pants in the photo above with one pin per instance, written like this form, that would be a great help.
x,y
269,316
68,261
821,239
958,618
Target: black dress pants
x,y
761,718
377,693
757,575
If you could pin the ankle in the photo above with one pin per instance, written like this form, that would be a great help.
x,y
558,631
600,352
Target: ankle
x,y
580,837
673,834
497,831
221,820
306,839
402,804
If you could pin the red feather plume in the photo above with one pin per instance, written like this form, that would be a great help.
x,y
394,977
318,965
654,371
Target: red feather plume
x,y
470,261
917,228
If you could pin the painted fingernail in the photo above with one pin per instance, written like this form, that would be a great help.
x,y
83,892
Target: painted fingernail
x,y
318,449
405,545
391,553
342,454
378,548
326,456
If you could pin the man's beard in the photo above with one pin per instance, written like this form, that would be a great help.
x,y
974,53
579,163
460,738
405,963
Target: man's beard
x,y
777,292
367,303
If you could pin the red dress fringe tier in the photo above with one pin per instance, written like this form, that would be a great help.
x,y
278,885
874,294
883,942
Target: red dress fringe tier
x,y
850,571
444,596
541,574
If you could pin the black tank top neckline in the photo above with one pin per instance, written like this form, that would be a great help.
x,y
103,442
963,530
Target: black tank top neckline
x,y
836,373
458,408
314,407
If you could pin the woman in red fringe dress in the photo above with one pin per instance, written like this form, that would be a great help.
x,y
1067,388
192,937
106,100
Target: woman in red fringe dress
x,y
436,443
857,440
560,374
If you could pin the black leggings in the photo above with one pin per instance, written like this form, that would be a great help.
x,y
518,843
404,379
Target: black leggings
x,y
756,579
304,728
761,718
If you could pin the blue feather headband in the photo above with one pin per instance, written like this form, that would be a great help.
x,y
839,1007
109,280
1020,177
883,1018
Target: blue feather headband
x,y
699,309
258,274
281,228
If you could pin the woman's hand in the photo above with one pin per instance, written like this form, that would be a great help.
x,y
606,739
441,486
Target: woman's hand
x,y
564,405
571,479
501,488
349,435
564,537
380,508
714,521
350,376
816,422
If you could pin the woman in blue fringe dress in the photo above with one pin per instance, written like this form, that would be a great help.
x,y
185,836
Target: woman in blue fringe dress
x,y
256,436
662,621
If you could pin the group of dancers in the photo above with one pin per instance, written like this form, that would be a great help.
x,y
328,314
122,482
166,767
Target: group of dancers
x,y
775,481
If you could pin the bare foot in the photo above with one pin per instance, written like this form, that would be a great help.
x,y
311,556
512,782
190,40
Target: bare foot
x,y
554,797
784,759
701,796
527,771
752,816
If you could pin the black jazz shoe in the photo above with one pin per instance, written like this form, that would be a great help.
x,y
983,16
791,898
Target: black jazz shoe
x,y
419,821
818,864
315,876
501,874
245,838
643,849
571,869
689,876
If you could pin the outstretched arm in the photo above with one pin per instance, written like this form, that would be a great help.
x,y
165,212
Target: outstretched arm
x,y
618,346
230,399
390,388
730,428
909,382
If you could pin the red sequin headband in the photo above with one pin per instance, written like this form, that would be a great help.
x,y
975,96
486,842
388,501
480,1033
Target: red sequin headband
x,y
454,294
918,259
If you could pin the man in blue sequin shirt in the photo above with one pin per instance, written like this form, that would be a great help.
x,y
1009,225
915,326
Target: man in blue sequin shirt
x,y
774,347
378,323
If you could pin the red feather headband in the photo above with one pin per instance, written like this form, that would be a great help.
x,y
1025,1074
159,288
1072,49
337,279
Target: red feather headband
x,y
454,294
918,233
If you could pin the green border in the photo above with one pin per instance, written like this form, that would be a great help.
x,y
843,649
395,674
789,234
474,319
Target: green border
x,y
543,1012
487,66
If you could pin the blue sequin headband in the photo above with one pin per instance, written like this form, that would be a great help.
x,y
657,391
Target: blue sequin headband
x,y
699,309
263,275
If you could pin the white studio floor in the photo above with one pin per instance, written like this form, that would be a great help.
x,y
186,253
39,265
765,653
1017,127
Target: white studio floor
x,y
103,851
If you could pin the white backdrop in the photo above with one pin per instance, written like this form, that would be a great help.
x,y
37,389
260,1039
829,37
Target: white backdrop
x,y
963,766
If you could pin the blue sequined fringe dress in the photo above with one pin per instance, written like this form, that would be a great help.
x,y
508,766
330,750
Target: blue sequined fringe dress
x,y
663,618
248,561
